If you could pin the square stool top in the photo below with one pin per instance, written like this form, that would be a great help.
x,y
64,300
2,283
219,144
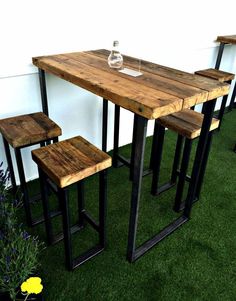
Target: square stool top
x,y
23,130
71,160
187,123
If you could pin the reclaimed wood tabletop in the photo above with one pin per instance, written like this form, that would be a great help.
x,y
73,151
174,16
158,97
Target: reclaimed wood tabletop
x,y
159,91
229,39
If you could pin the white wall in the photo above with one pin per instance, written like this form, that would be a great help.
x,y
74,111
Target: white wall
x,y
179,34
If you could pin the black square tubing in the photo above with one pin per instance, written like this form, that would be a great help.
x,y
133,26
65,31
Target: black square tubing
x,y
43,90
134,253
68,230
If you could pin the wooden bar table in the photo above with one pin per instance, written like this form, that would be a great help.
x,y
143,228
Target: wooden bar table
x,y
223,40
159,91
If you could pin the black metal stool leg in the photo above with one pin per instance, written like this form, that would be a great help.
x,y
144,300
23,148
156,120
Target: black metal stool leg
x,y
81,209
45,202
175,167
102,207
63,199
10,166
159,133
23,187
182,175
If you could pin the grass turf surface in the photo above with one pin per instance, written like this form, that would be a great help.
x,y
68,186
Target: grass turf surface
x,y
197,262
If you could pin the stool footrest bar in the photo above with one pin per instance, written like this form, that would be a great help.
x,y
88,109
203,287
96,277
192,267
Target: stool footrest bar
x,y
74,229
165,187
91,221
86,256
124,160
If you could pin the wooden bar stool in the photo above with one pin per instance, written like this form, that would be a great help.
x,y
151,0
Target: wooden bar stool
x,y
187,124
20,132
221,76
61,165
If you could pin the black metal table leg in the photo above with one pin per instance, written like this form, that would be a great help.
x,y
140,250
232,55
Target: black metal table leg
x,y
116,136
133,147
43,90
209,110
219,56
139,143
104,124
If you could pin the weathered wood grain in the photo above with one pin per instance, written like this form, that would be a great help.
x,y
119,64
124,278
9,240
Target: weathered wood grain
x,y
148,79
148,102
187,123
71,160
219,75
230,39
214,89
158,92
28,129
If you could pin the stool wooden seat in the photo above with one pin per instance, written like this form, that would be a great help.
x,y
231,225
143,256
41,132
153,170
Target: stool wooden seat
x,y
25,130
63,164
187,124
221,76
22,131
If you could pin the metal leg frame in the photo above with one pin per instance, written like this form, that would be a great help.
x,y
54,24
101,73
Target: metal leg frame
x,y
68,230
199,157
134,253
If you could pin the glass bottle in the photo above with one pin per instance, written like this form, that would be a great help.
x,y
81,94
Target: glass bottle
x,y
115,59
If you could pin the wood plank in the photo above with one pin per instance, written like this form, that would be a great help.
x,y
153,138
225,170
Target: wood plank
x,y
28,129
148,102
215,89
216,74
71,160
189,94
229,39
187,123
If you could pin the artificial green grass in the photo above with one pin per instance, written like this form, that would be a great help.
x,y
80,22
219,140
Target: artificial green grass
x,y
196,262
